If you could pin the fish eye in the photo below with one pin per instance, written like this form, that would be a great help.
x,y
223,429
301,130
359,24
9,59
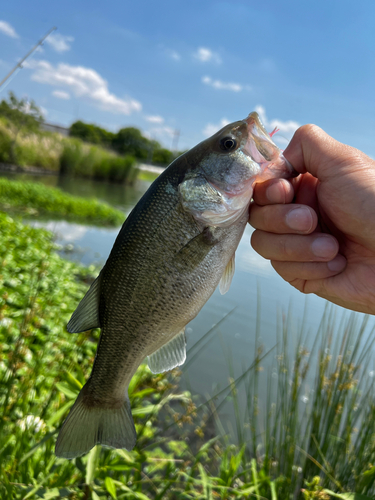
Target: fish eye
x,y
228,143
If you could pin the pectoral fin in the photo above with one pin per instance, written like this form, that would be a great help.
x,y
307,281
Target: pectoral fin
x,y
86,316
170,355
226,279
192,254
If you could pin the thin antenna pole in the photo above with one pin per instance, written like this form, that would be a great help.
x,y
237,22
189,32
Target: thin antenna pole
x,y
176,136
19,65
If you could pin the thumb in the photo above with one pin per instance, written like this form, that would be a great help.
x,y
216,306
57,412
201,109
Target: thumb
x,y
312,150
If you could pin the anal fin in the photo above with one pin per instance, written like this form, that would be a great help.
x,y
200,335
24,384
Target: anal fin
x,y
226,279
170,355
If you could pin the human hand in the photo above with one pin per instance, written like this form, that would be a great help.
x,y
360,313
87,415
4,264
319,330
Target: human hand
x,y
318,230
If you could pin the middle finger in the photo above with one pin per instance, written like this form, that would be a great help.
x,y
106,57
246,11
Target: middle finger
x,y
283,219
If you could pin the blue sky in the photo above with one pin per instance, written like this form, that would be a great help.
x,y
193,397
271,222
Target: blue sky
x,y
191,66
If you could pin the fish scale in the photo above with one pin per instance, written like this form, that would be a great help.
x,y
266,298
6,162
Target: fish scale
x,y
171,253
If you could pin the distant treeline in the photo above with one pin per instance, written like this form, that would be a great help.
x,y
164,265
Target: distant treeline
x,y
23,143
127,141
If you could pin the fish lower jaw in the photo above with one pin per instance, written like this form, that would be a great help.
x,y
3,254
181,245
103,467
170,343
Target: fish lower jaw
x,y
226,218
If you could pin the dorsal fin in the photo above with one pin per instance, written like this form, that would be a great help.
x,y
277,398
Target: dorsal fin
x,y
226,279
86,316
170,355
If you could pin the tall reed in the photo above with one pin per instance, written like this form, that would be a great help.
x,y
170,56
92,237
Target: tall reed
x,y
311,413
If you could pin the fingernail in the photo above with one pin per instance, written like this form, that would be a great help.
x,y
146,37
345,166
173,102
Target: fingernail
x,y
299,219
275,193
324,247
337,264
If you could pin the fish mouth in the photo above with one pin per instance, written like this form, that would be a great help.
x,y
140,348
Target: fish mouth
x,y
261,148
259,144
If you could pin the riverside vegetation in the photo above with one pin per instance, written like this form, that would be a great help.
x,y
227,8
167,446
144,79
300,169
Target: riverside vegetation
x,y
294,443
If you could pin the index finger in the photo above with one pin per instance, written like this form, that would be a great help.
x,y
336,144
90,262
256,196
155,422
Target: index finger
x,y
273,191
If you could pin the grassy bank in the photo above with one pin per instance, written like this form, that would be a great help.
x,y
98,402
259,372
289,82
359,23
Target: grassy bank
x,y
33,199
53,152
310,437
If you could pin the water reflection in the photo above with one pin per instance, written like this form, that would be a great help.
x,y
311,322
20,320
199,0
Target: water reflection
x,y
84,244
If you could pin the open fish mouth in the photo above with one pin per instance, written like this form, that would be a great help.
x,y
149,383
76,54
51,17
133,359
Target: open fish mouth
x,y
262,149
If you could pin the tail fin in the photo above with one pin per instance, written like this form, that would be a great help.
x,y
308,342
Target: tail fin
x,y
87,426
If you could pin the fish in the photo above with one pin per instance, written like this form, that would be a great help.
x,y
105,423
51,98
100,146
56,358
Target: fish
x,y
173,250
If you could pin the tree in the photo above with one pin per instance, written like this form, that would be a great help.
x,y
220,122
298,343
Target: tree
x,y
162,156
91,133
127,141
130,141
22,114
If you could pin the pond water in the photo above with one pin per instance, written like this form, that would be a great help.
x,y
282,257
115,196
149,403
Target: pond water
x,y
256,302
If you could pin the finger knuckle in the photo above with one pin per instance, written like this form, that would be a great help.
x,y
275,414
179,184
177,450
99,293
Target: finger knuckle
x,y
309,130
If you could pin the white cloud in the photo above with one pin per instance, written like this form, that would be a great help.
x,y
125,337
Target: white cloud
x,y
155,119
285,128
218,84
204,54
60,43
8,30
212,128
61,94
84,83
173,54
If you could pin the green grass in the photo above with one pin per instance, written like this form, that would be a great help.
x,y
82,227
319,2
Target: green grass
x,y
33,199
289,447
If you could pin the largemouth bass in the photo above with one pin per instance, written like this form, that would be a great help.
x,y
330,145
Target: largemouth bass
x,y
173,250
